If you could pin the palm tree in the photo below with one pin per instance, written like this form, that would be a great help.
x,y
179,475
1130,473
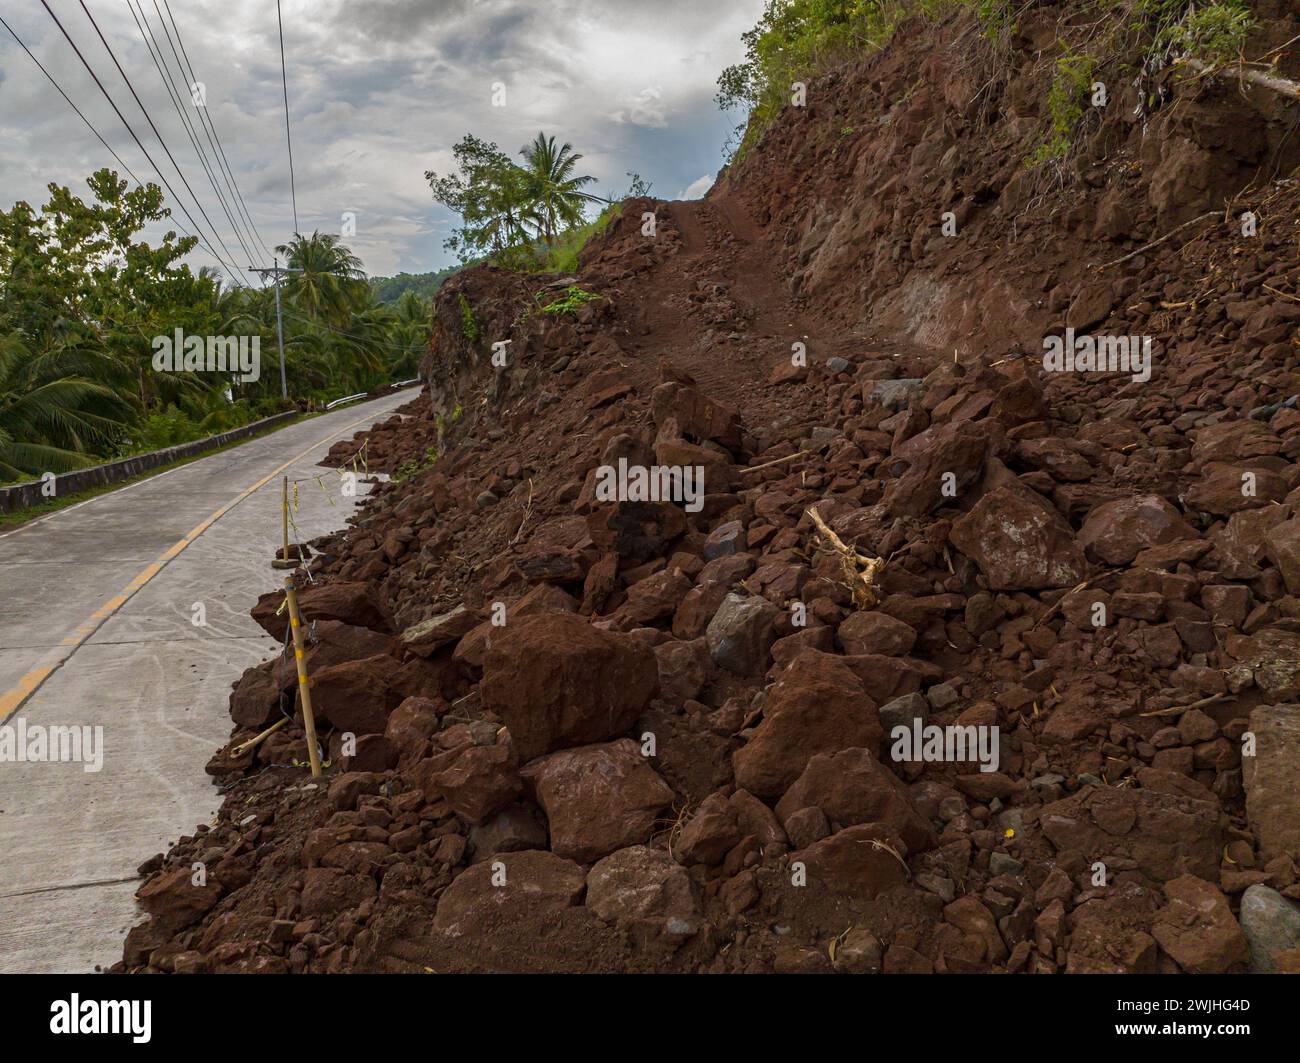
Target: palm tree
x,y
555,193
328,280
409,335
54,407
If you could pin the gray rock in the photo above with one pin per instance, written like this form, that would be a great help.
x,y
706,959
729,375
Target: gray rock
x,y
940,886
942,695
515,829
902,711
724,540
1271,924
895,394
741,634
838,364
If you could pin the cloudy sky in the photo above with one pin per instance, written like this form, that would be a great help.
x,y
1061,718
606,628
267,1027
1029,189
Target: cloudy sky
x,y
379,91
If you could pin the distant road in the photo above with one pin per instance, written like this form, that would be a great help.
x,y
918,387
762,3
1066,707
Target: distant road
x,y
97,603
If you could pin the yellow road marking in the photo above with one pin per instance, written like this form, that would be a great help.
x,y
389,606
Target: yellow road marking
x,y
24,689
14,698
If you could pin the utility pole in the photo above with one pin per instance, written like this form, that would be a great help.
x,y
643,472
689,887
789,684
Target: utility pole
x,y
276,272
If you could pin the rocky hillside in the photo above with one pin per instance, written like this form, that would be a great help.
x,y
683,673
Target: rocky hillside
x,y
570,730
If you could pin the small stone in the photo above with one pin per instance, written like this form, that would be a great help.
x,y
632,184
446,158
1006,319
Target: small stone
x,y
941,696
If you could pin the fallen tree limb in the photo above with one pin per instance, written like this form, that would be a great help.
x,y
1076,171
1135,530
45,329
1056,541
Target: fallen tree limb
x,y
860,570
1282,86
774,461
1156,243
238,751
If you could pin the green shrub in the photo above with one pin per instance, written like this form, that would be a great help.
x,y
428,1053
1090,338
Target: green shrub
x,y
468,324
574,297
1213,34
416,465
1066,100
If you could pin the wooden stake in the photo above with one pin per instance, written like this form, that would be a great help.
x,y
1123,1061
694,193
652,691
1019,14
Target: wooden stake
x,y
304,688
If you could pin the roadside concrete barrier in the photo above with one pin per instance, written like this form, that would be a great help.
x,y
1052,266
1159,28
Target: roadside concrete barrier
x,y
21,495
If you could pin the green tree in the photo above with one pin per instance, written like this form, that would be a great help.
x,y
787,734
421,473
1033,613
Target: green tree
x,y
55,407
555,193
329,280
490,193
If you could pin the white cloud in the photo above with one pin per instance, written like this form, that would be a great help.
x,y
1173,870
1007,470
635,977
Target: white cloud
x,y
379,91
646,108
697,188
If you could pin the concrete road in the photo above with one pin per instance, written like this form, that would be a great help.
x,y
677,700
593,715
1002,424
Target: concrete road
x,y
98,604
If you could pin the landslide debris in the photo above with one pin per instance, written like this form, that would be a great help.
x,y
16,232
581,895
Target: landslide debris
x,y
568,732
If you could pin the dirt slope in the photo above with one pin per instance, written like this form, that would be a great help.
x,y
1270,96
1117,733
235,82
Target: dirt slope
x,y
678,751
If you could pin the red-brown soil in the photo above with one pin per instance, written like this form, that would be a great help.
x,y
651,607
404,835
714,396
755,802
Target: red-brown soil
x,y
670,756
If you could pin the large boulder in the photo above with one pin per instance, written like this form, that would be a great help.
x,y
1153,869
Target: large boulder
x,y
497,894
556,681
356,696
1116,532
1271,924
817,706
1019,541
644,890
1272,778
597,798
1197,929
355,604
853,787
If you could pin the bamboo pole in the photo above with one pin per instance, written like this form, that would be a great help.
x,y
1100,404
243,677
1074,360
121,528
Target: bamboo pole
x,y
284,515
304,687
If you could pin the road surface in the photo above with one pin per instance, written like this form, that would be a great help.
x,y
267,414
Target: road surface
x,y
97,610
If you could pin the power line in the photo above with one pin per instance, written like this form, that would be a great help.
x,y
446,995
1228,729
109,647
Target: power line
x,y
207,117
284,81
157,169
173,94
149,118
98,136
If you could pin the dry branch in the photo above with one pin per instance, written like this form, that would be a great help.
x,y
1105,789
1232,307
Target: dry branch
x,y
860,570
